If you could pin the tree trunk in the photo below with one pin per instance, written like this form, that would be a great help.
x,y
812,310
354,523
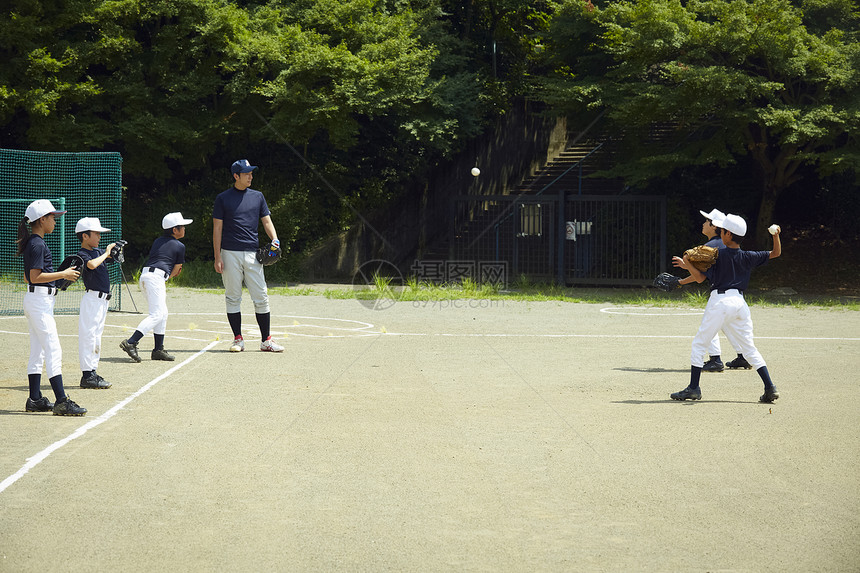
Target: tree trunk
x,y
778,169
765,219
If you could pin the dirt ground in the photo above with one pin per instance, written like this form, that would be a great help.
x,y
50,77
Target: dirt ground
x,y
454,436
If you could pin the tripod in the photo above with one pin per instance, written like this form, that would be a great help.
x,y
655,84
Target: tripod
x,y
122,273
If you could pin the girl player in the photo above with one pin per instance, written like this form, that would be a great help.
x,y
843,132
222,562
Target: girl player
x,y
39,309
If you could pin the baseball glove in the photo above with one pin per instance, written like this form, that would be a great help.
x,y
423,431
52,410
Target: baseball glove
x,y
702,257
72,261
667,282
116,251
268,255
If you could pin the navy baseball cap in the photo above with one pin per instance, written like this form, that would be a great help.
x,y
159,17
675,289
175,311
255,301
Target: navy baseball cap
x,y
242,166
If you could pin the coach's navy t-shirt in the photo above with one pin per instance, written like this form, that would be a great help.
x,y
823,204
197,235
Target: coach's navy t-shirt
x,y
240,212
37,255
166,252
734,267
97,278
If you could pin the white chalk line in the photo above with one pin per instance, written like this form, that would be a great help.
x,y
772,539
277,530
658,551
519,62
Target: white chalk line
x,y
655,336
43,455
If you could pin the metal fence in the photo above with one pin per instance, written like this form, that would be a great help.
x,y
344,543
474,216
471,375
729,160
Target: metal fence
x,y
577,239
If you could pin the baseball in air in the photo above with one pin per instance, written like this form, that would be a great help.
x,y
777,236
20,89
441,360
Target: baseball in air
x,y
773,229
476,171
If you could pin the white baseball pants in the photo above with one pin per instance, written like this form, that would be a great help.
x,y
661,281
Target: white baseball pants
x,y
44,341
91,325
153,285
243,267
727,312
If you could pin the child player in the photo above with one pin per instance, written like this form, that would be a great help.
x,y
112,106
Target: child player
x,y
164,262
712,233
94,302
39,309
726,309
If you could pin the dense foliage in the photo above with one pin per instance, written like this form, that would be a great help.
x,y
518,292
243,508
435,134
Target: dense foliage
x,y
772,80
333,98
346,103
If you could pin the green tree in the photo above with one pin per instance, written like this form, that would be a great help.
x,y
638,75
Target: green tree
x,y
367,90
774,80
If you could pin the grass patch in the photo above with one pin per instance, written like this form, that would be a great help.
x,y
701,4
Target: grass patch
x,y
202,275
428,292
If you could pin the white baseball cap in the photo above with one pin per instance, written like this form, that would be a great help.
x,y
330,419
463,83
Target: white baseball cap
x,y
714,214
90,224
174,220
39,208
733,223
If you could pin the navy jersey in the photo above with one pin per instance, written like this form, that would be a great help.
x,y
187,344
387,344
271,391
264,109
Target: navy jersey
x,y
734,267
37,255
166,252
97,278
241,212
716,243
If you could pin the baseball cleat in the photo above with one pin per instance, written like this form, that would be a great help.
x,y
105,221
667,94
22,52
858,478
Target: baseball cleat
x,y
40,405
94,381
66,407
238,344
739,362
269,345
162,354
687,394
713,365
770,394
130,349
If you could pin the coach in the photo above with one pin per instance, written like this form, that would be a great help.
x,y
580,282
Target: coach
x,y
236,216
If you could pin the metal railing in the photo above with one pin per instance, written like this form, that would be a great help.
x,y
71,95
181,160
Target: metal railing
x,y
577,239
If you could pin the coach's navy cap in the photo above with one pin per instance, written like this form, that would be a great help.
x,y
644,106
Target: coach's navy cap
x,y
39,208
242,166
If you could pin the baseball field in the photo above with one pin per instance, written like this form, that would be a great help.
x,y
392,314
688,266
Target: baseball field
x,y
465,435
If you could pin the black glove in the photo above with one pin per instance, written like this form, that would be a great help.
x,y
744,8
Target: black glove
x,y
116,251
268,255
667,282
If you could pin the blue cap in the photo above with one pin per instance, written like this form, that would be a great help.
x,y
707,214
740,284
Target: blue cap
x,y
242,166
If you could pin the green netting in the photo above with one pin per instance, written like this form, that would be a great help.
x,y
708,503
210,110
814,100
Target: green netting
x,y
87,185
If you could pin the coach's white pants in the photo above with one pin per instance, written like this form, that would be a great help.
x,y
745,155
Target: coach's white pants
x,y
44,340
154,287
91,325
243,267
727,312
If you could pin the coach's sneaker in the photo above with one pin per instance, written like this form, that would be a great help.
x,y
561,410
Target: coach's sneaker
x,y
770,394
269,345
687,394
713,365
40,405
66,407
161,354
739,362
94,381
238,344
130,349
